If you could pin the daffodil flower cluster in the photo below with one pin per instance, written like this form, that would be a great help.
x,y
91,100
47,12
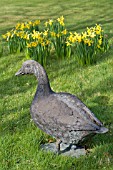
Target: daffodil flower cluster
x,y
88,37
87,44
28,26
39,46
57,34
18,37
55,37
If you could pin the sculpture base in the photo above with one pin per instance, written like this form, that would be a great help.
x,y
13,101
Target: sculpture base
x,y
66,150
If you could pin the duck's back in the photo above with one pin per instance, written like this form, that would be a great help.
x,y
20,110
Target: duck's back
x,y
61,114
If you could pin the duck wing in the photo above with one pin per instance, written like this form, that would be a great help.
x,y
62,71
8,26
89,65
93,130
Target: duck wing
x,y
64,110
78,108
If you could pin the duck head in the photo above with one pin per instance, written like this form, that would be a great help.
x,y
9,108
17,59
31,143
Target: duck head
x,y
27,68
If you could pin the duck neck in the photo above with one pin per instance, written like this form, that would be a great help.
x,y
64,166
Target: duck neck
x,y
43,88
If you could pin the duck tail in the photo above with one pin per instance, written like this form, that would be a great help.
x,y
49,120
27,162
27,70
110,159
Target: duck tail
x,y
102,130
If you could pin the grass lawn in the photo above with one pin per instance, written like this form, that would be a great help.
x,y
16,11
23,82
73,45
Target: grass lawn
x,y
20,138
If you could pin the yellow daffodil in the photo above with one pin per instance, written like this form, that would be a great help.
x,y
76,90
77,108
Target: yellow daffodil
x,y
64,32
40,39
37,22
20,34
8,34
79,38
92,29
4,36
98,46
15,31
36,34
29,45
100,41
85,41
92,35
43,44
88,42
88,31
71,37
98,29
97,32
47,42
22,26
62,23
46,24
50,22
53,34
68,43
30,23
101,36
26,36
33,44
27,26
45,33
58,35
61,20
18,26
75,33
84,35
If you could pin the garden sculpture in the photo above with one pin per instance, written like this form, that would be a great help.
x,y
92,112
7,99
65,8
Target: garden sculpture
x,y
61,115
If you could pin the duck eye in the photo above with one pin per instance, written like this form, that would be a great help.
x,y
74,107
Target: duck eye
x,y
27,66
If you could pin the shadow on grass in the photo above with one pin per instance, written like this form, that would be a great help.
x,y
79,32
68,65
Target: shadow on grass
x,y
82,25
62,67
20,123
16,85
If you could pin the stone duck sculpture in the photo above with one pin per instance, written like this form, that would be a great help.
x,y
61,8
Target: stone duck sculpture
x,y
61,115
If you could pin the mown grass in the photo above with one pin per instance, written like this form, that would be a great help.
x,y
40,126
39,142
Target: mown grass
x,y
20,138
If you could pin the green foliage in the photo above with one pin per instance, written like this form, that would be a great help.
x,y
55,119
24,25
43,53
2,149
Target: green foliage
x,y
1,51
83,47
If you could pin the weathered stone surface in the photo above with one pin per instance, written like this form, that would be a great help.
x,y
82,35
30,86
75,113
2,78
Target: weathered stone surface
x,y
66,150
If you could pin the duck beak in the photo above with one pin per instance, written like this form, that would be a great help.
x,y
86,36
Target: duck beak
x,y
19,72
